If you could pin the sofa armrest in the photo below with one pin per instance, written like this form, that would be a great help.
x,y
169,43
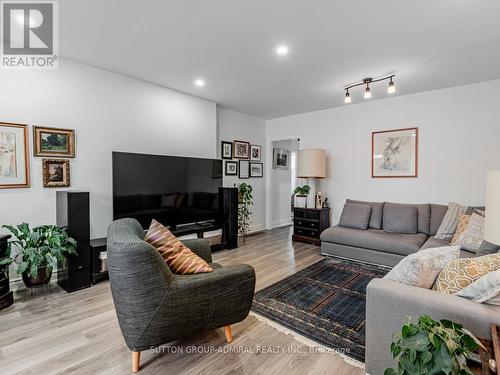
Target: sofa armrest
x,y
200,247
388,304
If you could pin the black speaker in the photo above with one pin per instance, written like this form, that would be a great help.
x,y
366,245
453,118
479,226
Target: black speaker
x,y
6,296
229,204
73,213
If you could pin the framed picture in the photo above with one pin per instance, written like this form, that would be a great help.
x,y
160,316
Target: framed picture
x,y
53,142
241,150
244,169
255,151
56,173
231,168
281,158
256,170
395,153
226,150
14,158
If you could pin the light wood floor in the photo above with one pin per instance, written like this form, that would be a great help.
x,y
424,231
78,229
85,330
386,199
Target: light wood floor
x,y
78,333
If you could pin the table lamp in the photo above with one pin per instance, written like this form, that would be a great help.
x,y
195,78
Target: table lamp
x,y
492,221
312,165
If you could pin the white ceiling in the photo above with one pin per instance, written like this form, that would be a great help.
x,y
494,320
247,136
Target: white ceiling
x,y
230,44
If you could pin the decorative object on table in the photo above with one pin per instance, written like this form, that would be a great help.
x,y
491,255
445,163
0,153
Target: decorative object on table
x,y
310,299
256,170
53,142
56,173
281,158
14,158
431,347
318,199
226,150
231,168
241,150
325,203
492,219
243,169
6,295
300,196
255,152
40,249
395,153
245,200
311,165
309,223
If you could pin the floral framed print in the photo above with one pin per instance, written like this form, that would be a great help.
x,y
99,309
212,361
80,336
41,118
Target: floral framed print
x,y
231,168
241,150
56,173
14,156
53,142
255,152
395,153
256,170
226,150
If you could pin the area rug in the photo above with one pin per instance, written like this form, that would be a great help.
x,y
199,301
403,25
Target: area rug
x,y
324,302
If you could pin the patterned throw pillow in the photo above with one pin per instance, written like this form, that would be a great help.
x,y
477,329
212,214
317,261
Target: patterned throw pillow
x,y
421,268
462,226
463,272
484,290
473,236
450,222
474,210
179,258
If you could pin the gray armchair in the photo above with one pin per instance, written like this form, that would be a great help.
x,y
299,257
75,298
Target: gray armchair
x,y
155,306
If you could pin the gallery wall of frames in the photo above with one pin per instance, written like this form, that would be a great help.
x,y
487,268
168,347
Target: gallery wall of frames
x,y
242,159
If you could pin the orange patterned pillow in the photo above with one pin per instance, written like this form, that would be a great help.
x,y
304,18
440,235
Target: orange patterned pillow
x,y
179,258
462,226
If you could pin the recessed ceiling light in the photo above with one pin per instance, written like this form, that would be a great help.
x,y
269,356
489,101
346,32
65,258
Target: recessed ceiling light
x,y
199,83
282,50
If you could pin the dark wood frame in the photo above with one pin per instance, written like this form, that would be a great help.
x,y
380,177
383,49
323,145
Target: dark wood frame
x,y
235,162
416,152
234,150
222,150
250,169
66,171
37,142
239,169
260,152
26,184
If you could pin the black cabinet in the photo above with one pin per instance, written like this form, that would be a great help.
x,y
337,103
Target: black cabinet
x,y
308,223
6,296
99,263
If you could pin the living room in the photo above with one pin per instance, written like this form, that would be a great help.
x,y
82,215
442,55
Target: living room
x,y
309,239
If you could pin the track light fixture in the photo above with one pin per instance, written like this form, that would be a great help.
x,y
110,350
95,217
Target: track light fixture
x,y
368,81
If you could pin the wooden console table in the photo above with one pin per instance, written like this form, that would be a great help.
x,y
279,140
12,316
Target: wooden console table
x,y
308,223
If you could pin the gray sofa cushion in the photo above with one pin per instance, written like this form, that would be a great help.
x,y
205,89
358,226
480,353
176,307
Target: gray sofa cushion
x,y
355,216
377,209
424,218
487,248
400,218
434,242
437,214
373,239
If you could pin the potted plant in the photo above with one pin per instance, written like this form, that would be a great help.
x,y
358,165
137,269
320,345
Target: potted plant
x,y
300,194
431,347
40,249
245,200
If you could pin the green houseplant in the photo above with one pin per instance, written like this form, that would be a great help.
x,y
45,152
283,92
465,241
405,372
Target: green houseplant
x,y
300,195
245,200
40,249
431,347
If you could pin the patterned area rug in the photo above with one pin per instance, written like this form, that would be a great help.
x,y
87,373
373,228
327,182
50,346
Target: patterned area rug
x,y
324,302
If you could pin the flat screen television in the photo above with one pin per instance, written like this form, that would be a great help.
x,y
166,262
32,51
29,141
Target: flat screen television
x,y
170,189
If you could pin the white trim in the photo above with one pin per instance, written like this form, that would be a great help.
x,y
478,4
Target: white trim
x,y
281,223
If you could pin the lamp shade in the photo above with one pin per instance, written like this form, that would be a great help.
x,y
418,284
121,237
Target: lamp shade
x,y
492,222
312,163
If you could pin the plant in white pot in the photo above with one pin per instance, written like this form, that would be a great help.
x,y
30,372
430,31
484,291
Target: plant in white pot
x,y
300,196
39,250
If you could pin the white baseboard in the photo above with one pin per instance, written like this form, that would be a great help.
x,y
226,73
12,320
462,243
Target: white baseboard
x,y
281,223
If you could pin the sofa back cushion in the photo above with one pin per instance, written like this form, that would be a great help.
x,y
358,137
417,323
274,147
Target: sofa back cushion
x,y
400,218
376,215
355,216
437,214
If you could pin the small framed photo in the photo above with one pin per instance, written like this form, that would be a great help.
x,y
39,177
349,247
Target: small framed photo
x,y
241,150
53,142
244,169
231,168
256,170
14,158
226,150
281,158
255,151
56,173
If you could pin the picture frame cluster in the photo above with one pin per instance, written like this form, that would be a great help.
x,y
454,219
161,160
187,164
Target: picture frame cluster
x,y
248,159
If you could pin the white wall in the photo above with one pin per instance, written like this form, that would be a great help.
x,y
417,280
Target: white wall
x,y
238,126
109,112
459,141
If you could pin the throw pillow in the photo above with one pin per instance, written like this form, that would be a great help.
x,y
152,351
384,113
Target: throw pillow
x,y
475,210
355,216
487,248
484,290
179,258
463,272
472,237
400,218
450,222
423,267
462,226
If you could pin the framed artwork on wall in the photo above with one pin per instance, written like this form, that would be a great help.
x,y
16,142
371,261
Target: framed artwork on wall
x,y
244,169
281,158
255,152
241,150
226,150
53,142
231,168
14,156
56,173
256,170
395,153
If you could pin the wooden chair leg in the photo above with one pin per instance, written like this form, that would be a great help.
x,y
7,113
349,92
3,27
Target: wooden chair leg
x,y
136,361
229,333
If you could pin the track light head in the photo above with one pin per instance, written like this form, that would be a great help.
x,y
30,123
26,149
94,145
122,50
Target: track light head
x,y
392,87
368,93
347,99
